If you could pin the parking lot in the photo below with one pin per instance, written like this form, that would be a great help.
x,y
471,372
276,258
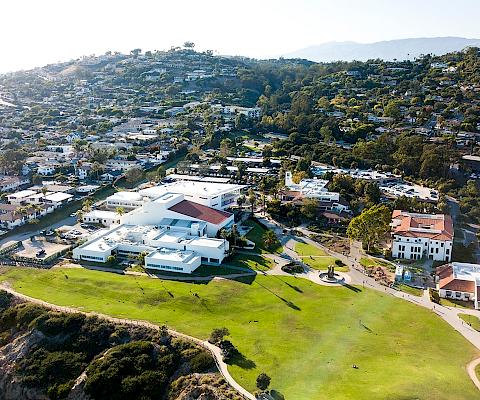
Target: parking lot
x,y
38,248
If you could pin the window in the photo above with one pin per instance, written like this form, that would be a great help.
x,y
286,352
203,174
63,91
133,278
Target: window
x,y
215,260
458,294
448,293
447,251
441,244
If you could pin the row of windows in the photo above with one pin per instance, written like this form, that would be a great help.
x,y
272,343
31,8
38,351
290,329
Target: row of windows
x,y
456,294
85,257
164,267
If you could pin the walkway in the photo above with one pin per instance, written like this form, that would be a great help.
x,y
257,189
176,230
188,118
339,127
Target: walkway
x,y
214,350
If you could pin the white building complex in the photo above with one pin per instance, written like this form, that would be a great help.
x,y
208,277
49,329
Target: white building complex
x,y
311,188
459,281
417,236
216,195
176,234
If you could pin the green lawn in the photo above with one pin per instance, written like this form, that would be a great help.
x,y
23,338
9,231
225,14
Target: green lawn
x,y
252,261
305,336
256,236
305,249
409,289
316,258
471,320
371,262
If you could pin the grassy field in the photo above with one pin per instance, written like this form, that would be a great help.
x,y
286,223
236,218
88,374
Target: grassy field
x,y
305,336
409,289
256,236
370,262
252,261
316,258
471,320
305,249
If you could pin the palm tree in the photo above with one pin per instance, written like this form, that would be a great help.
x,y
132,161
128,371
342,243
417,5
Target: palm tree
x,y
87,205
141,258
120,210
252,199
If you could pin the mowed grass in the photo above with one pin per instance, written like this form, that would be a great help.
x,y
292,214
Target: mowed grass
x,y
305,336
252,261
316,258
471,320
306,249
256,236
409,289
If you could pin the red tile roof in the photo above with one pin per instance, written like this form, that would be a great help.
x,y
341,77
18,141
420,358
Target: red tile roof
x,y
199,211
447,280
441,222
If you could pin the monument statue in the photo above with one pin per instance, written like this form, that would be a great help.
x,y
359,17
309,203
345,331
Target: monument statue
x,y
331,272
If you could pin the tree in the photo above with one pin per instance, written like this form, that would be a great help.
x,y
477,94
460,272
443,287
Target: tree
x,y
392,110
309,208
240,201
120,210
87,205
252,199
223,170
241,169
263,381
226,148
161,172
141,258
370,226
218,334
133,175
189,45
270,240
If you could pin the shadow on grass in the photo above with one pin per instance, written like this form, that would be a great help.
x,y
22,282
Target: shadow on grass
x,y
241,361
287,302
276,395
352,288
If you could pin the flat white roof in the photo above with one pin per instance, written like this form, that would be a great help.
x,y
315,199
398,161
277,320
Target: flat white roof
x,y
183,256
101,214
132,196
58,196
22,193
210,189
466,271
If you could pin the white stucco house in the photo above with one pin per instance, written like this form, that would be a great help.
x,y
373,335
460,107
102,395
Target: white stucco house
x,y
416,236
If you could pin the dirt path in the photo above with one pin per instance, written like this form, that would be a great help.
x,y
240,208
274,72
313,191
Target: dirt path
x,y
214,350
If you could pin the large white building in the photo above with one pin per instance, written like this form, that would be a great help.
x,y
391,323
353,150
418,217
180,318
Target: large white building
x,y
459,281
177,235
216,195
311,188
417,236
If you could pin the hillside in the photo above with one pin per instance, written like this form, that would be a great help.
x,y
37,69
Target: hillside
x,y
404,49
52,355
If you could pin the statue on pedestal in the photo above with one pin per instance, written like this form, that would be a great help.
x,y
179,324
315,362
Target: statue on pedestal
x,y
331,272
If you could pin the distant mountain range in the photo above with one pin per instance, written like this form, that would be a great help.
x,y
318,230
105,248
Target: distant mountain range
x,y
401,49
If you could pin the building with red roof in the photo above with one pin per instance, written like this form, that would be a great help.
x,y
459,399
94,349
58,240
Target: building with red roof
x,y
459,281
416,236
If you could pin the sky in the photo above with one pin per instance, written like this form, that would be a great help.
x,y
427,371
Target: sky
x,y
38,32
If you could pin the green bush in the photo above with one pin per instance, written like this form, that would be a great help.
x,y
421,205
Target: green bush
x,y
202,362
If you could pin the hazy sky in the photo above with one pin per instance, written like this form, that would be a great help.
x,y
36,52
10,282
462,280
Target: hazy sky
x,y
36,32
